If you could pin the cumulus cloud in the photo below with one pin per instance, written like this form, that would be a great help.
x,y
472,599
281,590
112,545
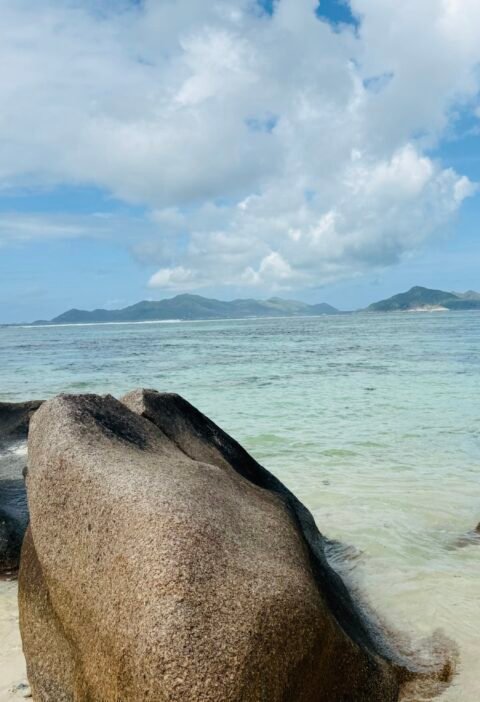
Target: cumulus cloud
x,y
174,278
271,151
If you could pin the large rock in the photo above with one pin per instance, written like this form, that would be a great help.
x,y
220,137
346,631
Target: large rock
x,y
164,564
14,421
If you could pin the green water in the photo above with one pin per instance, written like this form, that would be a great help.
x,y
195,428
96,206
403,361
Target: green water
x,y
372,420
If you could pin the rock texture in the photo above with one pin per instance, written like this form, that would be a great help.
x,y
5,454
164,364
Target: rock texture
x,y
162,563
14,421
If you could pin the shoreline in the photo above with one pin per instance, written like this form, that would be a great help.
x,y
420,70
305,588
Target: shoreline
x,y
13,674
177,321
346,313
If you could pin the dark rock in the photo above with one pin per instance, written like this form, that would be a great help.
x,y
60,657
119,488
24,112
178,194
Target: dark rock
x,y
471,537
14,422
163,563
15,418
13,523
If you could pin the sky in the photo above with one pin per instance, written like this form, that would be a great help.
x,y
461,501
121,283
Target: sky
x,y
238,148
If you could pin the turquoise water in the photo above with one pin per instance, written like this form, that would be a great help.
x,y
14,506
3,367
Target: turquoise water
x,y
372,420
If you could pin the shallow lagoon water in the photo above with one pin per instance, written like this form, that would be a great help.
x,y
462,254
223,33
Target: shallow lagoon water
x,y
372,420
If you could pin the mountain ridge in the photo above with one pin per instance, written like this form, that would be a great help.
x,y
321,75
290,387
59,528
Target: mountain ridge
x,y
420,298
193,307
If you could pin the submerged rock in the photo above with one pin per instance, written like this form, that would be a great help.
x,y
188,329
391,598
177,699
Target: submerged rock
x,y
14,421
471,537
163,563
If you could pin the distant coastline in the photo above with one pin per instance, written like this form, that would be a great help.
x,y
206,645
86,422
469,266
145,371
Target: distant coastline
x,y
195,308
419,299
188,307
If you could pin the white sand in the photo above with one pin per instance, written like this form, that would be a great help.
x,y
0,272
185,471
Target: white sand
x,y
12,662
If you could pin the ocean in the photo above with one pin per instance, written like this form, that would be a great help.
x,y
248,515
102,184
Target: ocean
x,y
372,420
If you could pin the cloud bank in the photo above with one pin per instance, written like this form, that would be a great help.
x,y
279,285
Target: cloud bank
x,y
271,151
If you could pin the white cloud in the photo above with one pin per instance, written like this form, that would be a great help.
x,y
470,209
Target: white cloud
x,y
24,228
174,279
273,271
272,151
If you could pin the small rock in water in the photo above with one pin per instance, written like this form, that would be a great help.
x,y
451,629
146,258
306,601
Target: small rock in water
x,y
471,537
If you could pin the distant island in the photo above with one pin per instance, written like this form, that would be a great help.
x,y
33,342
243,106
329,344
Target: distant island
x,y
194,307
188,307
419,299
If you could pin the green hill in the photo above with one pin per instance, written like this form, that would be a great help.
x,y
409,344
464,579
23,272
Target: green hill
x,y
194,307
425,298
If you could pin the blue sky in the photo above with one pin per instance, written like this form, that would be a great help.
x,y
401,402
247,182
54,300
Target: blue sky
x,y
236,153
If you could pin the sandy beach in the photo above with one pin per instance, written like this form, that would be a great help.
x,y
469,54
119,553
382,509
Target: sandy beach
x,y
12,663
